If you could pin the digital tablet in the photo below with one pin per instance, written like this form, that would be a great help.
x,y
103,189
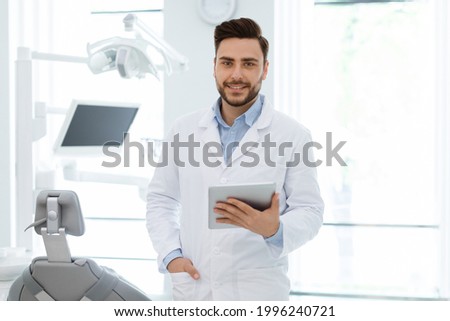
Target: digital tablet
x,y
257,195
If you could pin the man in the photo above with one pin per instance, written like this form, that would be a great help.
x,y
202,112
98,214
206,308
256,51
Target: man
x,y
249,262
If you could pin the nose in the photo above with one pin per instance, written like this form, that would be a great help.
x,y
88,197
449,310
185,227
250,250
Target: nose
x,y
237,72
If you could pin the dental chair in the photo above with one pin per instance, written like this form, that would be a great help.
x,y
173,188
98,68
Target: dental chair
x,y
59,276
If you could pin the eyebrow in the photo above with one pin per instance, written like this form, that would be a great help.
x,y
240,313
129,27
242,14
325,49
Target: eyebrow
x,y
243,59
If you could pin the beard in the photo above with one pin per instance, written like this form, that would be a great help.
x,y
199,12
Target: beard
x,y
239,101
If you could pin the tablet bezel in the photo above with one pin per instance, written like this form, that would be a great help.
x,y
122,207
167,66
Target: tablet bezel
x,y
257,195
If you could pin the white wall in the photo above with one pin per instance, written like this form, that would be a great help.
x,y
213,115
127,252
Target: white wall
x,y
442,12
185,31
6,168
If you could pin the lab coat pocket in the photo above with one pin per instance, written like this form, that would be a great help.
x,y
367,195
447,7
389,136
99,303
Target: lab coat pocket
x,y
264,284
183,286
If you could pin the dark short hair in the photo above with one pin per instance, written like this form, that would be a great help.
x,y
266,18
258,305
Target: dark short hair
x,y
240,28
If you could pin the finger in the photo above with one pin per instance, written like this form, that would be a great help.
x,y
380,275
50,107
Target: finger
x,y
275,205
229,217
225,220
228,208
244,207
189,268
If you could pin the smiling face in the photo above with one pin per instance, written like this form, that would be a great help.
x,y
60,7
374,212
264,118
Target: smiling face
x,y
239,69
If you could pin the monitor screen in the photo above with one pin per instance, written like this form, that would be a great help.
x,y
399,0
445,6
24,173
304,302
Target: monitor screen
x,y
91,125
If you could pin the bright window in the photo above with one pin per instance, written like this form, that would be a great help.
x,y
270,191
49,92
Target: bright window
x,y
372,85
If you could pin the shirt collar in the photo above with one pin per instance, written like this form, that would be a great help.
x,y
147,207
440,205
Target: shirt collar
x,y
250,116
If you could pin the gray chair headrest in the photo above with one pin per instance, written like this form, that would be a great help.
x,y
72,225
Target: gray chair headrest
x,y
71,216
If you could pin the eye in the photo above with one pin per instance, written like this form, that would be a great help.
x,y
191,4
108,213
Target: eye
x,y
249,64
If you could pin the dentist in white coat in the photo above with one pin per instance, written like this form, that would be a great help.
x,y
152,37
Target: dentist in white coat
x,y
241,139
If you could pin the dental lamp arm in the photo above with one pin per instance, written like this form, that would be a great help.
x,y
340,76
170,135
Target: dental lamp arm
x,y
135,57
132,23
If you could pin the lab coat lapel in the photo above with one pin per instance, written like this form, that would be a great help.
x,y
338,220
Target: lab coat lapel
x,y
255,133
209,134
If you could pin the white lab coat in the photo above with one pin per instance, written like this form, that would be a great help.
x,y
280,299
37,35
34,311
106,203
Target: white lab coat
x,y
234,264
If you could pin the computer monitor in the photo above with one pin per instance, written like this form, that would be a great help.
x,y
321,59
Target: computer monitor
x,y
89,125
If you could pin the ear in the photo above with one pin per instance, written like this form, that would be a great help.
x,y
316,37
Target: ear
x,y
214,68
265,70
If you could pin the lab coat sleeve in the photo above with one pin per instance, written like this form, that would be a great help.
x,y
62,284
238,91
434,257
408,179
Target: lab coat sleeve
x,y
163,205
303,215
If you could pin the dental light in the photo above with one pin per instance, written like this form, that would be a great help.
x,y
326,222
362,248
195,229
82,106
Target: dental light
x,y
135,57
